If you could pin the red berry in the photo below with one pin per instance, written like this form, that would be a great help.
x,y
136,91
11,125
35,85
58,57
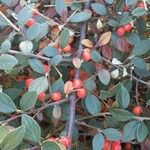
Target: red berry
x,y
106,145
71,72
127,146
20,78
141,4
67,49
77,83
81,93
120,31
66,141
116,145
126,9
127,27
28,82
56,96
30,22
41,96
137,110
35,12
46,68
86,56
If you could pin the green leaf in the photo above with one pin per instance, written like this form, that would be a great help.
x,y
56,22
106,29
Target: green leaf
x,y
5,46
121,114
3,132
109,1
123,97
7,62
80,17
33,31
132,38
112,134
36,65
129,131
139,63
96,56
105,94
127,84
90,84
50,51
13,139
139,12
64,38
98,142
60,7
99,9
104,76
56,59
48,145
32,129
113,23
6,104
141,47
24,15
130,2
58,85
93,105
39,85
26,46
141,132
28,100
124,19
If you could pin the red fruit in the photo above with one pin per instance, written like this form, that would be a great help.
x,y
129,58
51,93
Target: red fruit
x,y
127,27
41,96
126,9
35,12
46,68
137,110
66,141
28,82
56,96
127,146
20,78
51,139
116,145
77,83
71,72
141,4
120,31
106,145
67,49
81,93
86,56
30,22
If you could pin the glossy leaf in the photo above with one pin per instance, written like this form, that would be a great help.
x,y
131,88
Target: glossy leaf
x,y
104,76
98,142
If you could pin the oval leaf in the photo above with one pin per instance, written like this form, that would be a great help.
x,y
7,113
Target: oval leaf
x,y
104,39
98,141
104,76
87,43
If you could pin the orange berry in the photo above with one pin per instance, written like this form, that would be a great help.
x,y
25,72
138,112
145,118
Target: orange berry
x,y
30,22
77,83
120,31
66,141
116,145
106,145
127,146
137,110
28,82
81,93
67,49
126,8
41,96
56,96
86,56
141,4
127,27
46,68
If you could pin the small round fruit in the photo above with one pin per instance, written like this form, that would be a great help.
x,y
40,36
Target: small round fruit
x,y
126,8
77,83
141,4
56,96
28,82
35,12
30,22
41,96
66,141
81,93
67,49
20,78
127,146
46,68
116,145
86,56
120,31
127,27
137,110
71,72
106,145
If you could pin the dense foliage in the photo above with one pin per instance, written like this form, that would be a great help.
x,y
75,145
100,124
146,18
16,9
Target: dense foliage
x,y
74,73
